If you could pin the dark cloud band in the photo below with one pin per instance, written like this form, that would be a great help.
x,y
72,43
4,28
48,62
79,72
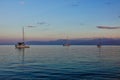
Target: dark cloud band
x,y
107,27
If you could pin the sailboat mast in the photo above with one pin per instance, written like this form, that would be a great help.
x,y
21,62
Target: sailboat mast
x,y
23,34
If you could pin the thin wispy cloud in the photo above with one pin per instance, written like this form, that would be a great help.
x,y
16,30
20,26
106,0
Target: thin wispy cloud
x,y
74,3
43,23
22,2
31,26
108,3
82,24
107,27
42,28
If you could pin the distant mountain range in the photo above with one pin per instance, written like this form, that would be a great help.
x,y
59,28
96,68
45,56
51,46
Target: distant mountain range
x,y
104,41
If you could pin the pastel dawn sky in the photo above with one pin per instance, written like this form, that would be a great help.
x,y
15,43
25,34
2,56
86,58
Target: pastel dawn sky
x,y
57,19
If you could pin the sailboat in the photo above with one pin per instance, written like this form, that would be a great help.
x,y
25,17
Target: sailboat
x,y
99,44
22,44
66,43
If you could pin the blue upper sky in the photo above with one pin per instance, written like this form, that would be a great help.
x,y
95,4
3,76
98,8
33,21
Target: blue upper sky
x,y
57,19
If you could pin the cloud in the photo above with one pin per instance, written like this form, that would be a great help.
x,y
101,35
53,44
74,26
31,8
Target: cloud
x,y
42,23
31,26
73,3
82,24
108,3
22,2
107,27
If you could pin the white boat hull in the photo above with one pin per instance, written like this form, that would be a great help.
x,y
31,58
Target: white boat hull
x,y
22,46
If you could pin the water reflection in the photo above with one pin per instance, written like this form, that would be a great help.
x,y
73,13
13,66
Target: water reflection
x,y
100,50
21,52
100,54
56,62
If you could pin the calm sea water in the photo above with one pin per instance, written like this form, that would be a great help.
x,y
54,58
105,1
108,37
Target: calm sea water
x,y
60,63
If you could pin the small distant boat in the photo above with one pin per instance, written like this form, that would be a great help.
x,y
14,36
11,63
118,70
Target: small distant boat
x,y
98,45
66,43
22,44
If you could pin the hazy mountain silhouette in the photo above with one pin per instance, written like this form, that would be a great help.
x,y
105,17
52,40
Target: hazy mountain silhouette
x,y
104,41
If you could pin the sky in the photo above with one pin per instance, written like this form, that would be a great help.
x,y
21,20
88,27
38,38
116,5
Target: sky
x,y
58,19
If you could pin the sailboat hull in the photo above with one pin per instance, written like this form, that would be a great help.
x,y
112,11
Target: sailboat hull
x,y
66,44
19,46
99,46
